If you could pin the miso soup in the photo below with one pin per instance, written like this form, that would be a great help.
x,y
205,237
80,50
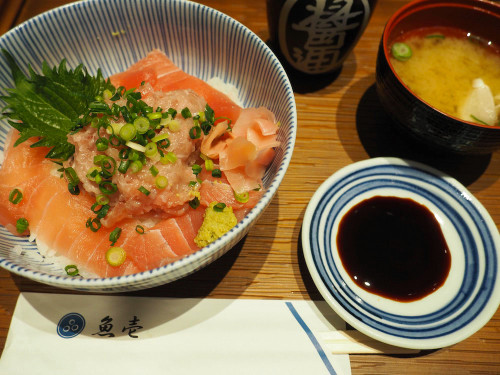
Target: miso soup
x,y
443,66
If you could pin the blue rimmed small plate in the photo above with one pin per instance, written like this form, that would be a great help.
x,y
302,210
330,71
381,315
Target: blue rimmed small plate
x,y
470,295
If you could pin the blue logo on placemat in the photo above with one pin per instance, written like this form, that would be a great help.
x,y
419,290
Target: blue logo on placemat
x,y
70,325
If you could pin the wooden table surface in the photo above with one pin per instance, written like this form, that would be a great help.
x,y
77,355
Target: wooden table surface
x,y
339,123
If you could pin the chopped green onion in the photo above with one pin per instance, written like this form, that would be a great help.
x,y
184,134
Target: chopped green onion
x,y
102,211
160,137
242,197
186,113
163,122
205,127
437,36
154,116
135,146
71,176
164,143
195,132
108,165
117,94
21,225
102,144
154,171
108,187
141,124
93,173
115,235
219,207
169,157
71,270
114,128
98,159
172,112
114,140
209,114
196,169
151,149
209,165
401,51
94,208
124,165
102,199
136,166
124,153
174,126
161,182
107,94
478,120
139,229
115,256
98,107
73,189
128,132
192,183
15,196
216,173
134,155
93,224
144,191
141,140
194,203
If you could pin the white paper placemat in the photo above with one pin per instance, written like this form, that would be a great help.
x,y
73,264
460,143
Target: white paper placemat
x,y
94,334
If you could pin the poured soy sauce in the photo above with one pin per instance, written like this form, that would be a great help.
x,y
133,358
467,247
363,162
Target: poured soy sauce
x,y
393,247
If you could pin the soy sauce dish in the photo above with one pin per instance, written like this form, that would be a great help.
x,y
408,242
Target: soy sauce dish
x,y
403,253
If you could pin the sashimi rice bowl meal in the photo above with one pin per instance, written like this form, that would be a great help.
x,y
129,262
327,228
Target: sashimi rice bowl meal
x,y
143,155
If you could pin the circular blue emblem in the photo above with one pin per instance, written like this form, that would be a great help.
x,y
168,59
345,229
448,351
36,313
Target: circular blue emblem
x,y
70,325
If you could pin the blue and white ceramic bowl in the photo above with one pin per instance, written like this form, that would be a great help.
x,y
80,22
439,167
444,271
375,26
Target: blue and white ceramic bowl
x,y
114,34
470,295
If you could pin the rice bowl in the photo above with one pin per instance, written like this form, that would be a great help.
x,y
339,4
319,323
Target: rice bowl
x,y
184,30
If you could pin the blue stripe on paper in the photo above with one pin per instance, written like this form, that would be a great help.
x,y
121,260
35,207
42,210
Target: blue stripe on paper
x,y
311,336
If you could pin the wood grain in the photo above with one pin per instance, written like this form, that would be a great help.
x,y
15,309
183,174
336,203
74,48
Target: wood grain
x,y
9,11
339,123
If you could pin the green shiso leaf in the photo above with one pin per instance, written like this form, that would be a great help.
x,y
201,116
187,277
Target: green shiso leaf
x,y
50,106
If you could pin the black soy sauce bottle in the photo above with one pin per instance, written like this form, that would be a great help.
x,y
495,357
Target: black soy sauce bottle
x,y
312,38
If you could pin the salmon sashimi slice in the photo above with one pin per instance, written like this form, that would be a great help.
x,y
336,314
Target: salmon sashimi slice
x,y
219,189
221,192
158,70
15,161
138,248
180,232
22,173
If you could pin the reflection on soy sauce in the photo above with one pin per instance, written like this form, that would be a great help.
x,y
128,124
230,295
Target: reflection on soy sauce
x,y
380,137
